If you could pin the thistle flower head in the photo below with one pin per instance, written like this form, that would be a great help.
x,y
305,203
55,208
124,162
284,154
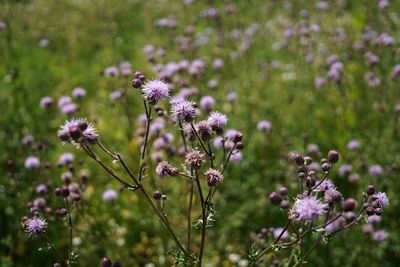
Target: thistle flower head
x,y
308,208
155,90
32,162
109,195
183,111
194,158
380,236
78,130
380,199
214,177
217,121
164,169
325,185
204,130
35,226
264,126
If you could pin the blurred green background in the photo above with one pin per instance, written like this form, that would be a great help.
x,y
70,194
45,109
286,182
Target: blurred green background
x,y
273,80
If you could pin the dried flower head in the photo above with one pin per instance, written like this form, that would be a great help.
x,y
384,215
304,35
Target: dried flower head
x,y
214,177
194,158
164,169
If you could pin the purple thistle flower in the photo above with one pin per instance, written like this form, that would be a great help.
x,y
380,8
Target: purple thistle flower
x,y
380,199
194,159
264,126
32,162
109,195
46,102
375,170
325,185
64,100
278,232
218,142
78,130
183,111
36,226
214,177
164,169
116,95
111,71
217,121
155,90
207,103
41,189
345,169
353,144
66,158
79,92
380,236
308,208
374,219
69,108
236,156
231,97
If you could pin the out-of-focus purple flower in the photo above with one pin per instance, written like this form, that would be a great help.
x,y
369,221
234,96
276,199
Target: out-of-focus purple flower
x,y
375,170
217,121
64,100
385,39
157,125
395,72
264,126
218,142
372,80
319,81
382,4
374,219
79,92
32,162
111,71
354,178
218,63
371,58
27,140
345,169
212,83
44,43
236,156
353,144
155,90
207,102
2,25
116,95
231,97
308,208
69,108
66,158
312,148
380,199
183,111
46,102
277,232
36,226
109,195
380,236
41,189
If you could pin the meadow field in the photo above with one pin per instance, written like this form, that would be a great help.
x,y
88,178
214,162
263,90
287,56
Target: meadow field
x,y
199,133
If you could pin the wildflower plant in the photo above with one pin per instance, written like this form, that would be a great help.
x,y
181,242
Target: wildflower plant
x,y
317,213
200,165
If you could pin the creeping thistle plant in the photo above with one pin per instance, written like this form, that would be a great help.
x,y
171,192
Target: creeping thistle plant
x,y
200,165
317,214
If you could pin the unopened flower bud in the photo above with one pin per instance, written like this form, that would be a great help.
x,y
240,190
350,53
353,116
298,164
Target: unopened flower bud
x,y
349,204
333,156
370,190
275,198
